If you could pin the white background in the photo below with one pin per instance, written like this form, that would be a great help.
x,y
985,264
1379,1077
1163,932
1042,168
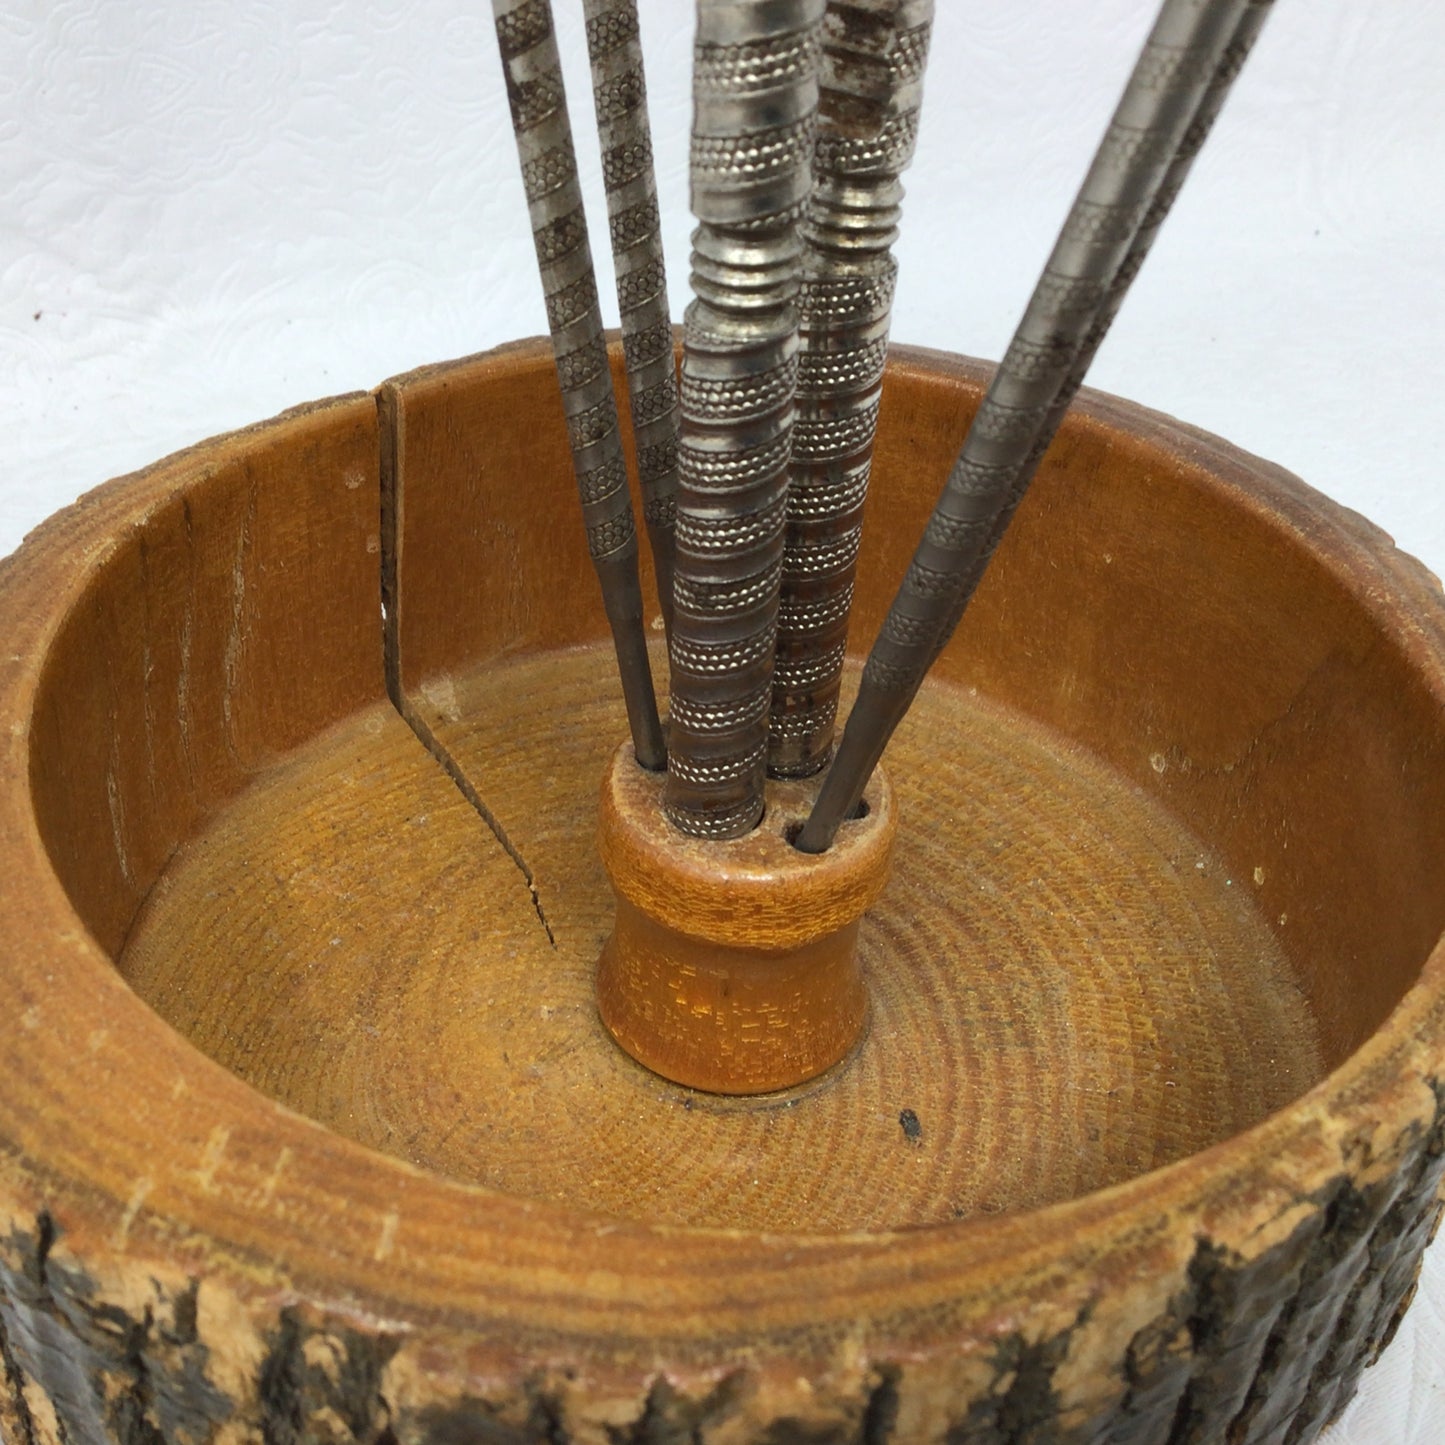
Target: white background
x,y
211,211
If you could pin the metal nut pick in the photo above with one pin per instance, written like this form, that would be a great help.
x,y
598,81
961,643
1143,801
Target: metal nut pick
x,y
619,93
755,98
1235,54
1187,54
871,86
538,103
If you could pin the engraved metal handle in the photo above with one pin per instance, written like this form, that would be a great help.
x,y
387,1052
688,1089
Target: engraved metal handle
x,y
871,86
1187,64
619,93
543,133
755,93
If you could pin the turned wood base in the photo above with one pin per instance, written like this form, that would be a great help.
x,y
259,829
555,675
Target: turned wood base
x,y
734,967
312,1129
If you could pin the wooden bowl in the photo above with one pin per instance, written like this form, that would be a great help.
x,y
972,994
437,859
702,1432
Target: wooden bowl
x,y
310,1130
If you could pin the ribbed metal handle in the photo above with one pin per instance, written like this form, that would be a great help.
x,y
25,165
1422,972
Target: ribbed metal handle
x,y
755,93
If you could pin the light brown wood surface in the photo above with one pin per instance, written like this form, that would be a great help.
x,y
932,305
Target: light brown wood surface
x,y
1060,991
311,1130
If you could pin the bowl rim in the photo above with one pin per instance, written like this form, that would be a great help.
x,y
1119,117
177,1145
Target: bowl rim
x,y
360,1233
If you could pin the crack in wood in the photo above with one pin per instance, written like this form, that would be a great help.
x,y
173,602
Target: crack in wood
x,y
392,505
455,772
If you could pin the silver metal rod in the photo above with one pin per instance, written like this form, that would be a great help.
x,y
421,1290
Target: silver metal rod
x,y
1235,54
538,103
871,86
1186,67
619,93
755,99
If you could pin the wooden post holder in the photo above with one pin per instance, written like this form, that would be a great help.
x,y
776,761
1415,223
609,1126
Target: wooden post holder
x,y
734,966
310,1127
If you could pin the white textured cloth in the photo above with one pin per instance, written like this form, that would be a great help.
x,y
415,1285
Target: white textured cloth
x,y
211,211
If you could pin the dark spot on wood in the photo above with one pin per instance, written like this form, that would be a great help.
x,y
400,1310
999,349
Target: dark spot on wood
x,y
912,1129
470,1422
108,1374
659,1423
545,1420
38,1261
279,1387
789,1430
183,1317
291,1390
670,1417
1022,1407
880,1414
15,1417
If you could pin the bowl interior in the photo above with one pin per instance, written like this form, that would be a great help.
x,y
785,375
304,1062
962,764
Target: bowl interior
x,y
316,752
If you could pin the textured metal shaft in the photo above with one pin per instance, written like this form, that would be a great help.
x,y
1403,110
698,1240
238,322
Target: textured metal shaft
x,y
1235,54
1187,56
619,92
870,88
559,230
755,98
